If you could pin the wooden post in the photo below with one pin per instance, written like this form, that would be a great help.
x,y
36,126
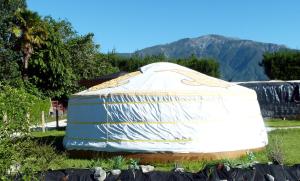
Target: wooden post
x,y
56,111
27,118
4,117
43,121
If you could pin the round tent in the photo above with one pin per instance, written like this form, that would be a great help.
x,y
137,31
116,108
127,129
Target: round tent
x,y
165,107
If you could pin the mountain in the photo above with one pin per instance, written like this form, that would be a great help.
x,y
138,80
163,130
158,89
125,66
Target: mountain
x,y
239,59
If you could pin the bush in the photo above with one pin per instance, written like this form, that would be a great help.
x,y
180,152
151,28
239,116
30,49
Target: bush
x,y
27,157
275,150
21,108
15,105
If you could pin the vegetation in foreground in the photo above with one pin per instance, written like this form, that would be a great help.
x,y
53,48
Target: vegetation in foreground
x,y
45,151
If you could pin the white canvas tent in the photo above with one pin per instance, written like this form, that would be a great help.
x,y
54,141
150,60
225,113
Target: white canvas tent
x,y
165,107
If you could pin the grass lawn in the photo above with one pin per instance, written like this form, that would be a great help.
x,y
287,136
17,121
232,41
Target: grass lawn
x,y
289,139
53,118
282,123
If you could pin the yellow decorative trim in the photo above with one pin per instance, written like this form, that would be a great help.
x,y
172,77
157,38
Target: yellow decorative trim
x,y
131,102
136,140
119,122
115,82
198,79
155,102
206,121
236,93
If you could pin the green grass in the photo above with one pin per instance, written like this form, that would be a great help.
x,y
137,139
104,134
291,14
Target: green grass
x,y
282,123
289,139
54,133
290,145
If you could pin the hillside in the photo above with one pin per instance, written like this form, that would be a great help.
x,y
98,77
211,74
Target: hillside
x,y
239,59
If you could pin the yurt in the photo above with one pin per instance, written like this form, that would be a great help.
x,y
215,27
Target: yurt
x,y
166,109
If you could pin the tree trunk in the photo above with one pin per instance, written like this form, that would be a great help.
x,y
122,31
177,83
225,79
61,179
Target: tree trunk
x,y
27,52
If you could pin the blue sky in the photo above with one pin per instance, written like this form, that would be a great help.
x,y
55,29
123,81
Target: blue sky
x,y
129,25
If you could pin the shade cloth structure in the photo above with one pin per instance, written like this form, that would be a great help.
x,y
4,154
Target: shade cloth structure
x,y
165,107
277,99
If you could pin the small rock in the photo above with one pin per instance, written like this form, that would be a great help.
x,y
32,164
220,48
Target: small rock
x,y
147,168
179,170
270,177
227,168
99,174
116,172
14,168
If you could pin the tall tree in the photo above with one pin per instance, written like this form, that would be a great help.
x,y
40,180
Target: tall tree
x,y
30,32
9,69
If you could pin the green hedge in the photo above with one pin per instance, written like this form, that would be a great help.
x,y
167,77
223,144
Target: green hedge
x,y
17,103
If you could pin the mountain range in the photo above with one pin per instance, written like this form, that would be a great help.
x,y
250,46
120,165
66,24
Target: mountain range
x,y
238,59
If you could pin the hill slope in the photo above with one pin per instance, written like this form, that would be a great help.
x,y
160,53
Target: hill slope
x,y
239,59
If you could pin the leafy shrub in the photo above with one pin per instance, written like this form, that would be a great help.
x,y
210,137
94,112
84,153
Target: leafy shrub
x,y
133,163
30,158
14,104
275,150
118,162
17,103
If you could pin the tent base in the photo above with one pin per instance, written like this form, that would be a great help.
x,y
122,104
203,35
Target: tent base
x,y
162,157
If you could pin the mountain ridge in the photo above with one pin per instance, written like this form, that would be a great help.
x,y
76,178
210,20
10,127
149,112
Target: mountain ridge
x,y
238,58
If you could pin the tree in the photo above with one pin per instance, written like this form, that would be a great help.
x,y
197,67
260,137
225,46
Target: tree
x,y
63,59
49,68
30,32
85,59
207,66
283,65
9,69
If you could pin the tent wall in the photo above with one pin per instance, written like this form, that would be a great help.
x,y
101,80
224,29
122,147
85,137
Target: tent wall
x,y
165,123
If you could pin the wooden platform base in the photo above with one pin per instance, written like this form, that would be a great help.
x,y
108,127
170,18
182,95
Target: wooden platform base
x,y
165,157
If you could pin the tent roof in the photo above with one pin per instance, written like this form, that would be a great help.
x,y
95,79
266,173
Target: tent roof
x,y
165,79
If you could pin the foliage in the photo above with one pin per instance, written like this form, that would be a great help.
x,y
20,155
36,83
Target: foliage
x,y
283,65
15,104
30,33
118,162
47,52
9,69
18,109
133,63
27,157
133,163
129,64
50,69
289,138
275,150
248,161
85,59
64,59
204,65
21,108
